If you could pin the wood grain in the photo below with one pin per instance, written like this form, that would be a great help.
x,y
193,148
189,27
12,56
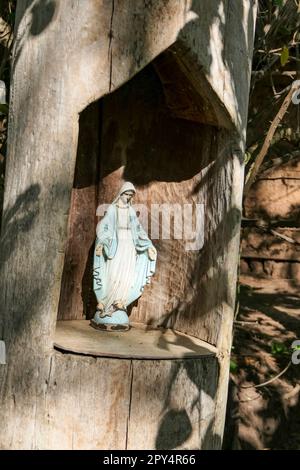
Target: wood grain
x,y
178,162
177,401
65,57
140,342
76,296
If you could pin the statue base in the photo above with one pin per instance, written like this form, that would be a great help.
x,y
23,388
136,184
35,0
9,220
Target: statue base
x,y
118,321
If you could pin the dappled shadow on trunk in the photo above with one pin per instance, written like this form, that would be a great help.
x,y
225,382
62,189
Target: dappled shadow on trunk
x,y
19,219
195,422
40,14
144,167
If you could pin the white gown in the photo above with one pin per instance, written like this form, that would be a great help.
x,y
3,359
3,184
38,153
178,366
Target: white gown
x,y
120,270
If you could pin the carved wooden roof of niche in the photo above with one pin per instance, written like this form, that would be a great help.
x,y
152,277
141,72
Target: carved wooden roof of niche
x,y
182,99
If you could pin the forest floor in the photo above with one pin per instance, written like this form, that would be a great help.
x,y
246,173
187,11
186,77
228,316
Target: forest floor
x,y
265,417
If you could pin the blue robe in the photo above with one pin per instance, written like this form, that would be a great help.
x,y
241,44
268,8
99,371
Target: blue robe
x,y
107,236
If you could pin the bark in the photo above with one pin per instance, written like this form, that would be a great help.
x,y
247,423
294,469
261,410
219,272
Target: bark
x,y
67,56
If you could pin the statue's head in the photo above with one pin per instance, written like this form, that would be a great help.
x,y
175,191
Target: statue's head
x,y
127,196
127,192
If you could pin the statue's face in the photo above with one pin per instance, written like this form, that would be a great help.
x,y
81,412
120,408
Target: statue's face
x,y
127,196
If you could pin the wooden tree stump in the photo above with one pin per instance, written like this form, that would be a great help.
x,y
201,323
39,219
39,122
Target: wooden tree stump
x,y
181,141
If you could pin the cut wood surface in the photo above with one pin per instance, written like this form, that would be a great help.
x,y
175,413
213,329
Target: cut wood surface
x,y
139,342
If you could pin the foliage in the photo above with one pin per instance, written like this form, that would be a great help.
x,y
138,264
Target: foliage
x,y
280,349
7,18
276,65
233,366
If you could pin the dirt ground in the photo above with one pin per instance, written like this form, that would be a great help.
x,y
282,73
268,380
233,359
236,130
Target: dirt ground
x,y
266,417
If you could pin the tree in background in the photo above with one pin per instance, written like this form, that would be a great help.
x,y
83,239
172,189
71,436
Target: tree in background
x,y
7,18
273,125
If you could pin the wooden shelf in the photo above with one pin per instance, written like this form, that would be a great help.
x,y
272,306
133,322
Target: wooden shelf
x,y
140,342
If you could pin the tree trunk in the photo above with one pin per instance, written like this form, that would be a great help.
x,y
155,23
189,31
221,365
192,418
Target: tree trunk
x,y
67,56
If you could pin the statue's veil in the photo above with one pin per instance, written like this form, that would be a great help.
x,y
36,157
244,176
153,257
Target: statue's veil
x,y
127,186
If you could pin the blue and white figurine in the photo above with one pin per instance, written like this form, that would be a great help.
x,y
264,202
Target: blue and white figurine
x,y
124,262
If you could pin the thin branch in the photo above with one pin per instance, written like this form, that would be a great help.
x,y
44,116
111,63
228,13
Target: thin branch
x,y
270,380
284,237
267,142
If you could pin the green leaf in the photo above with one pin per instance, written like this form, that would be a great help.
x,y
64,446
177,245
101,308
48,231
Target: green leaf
x,y
278,3
233,366
284,57
3,108
279,348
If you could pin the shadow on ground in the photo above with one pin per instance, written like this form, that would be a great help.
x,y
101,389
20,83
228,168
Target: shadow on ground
x,y
266,417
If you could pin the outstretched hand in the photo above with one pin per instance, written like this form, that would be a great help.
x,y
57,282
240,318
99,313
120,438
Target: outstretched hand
x,y
152,253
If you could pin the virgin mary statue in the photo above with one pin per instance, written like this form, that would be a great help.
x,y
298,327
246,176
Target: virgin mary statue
x,y
124,262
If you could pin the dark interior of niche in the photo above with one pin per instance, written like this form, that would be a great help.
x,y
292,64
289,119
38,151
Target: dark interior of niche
x,y
76,297
162,86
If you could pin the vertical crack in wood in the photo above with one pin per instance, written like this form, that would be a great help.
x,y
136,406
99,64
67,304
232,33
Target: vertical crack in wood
x,y
33,444
129,406
111,35
50,370
224,45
